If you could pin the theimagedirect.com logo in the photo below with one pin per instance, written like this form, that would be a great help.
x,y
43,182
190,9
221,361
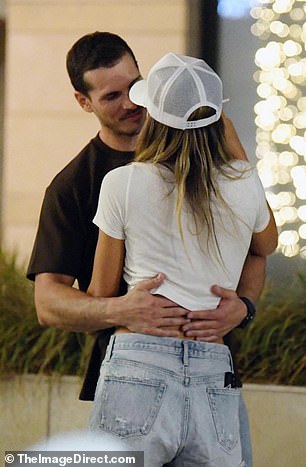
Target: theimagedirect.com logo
x,y
62,459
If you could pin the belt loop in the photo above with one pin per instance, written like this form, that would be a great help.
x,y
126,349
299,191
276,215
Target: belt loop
x,y
109,349
231,361
185,353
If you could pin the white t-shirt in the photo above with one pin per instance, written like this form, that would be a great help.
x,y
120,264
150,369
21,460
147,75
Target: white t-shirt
x,y
137,204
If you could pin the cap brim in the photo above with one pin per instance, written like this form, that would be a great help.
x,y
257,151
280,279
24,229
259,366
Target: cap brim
x,y
138,93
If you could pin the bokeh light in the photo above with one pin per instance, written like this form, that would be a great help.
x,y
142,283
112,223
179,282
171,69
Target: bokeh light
x,y
280,116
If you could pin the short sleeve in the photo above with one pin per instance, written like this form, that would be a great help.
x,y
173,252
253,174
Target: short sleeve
x,y
60,239
263,213
110,212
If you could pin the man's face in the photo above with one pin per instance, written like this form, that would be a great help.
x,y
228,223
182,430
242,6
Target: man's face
x,y
108,99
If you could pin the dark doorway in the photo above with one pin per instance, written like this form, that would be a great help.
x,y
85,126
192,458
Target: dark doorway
x,y
203,31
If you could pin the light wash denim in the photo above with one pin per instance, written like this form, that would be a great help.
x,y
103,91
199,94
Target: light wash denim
x,y
245,436
166,397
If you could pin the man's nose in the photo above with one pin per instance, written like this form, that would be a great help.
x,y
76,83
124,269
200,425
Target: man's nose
x,y
128,104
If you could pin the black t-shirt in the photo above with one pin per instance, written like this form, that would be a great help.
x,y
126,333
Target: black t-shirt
x,y
66,238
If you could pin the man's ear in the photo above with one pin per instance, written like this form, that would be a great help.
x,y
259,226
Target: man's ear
x,y
84,101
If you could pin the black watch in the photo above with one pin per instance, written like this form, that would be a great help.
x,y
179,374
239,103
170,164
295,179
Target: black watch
x,y
251,311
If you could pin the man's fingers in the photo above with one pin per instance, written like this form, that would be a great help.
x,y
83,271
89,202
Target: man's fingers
x,y
212,315
171,312
172,322
149,284
222,293
201,333
200,326
202,315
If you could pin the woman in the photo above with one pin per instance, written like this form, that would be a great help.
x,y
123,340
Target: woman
x,y
185,207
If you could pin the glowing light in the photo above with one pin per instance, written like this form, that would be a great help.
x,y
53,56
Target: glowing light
x,y
292,48
278,221
288,237
297,14
282,6
301,103
283,177
269,57
265,90
288,158
286,114
295,31
279,28
290,250
302,231
299,180
298,143
302,213
297,69
282,199
301,192
288,214
230,9
300,120
259,29
283,133
281,116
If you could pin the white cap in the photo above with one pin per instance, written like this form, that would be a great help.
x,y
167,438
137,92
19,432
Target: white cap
x,y
176,86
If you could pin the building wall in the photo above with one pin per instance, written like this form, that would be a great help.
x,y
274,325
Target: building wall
x,y
276,419
44,126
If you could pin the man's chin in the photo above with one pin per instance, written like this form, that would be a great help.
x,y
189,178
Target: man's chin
x,y
131,133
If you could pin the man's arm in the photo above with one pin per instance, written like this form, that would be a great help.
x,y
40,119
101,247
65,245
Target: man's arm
x,y
210,325
232,140
60,305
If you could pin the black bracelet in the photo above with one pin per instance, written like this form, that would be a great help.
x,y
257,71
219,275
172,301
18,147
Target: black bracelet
x,y
251,311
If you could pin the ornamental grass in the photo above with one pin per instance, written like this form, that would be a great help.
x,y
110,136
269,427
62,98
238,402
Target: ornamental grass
x,y
272,350
25,346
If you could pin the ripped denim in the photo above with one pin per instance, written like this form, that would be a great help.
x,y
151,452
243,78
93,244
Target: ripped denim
x,y
166,397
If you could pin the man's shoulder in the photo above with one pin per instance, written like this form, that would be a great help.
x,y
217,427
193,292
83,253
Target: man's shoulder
x,y
80,164
84,173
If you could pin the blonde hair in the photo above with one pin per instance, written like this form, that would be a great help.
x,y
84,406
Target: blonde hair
x,y
194,156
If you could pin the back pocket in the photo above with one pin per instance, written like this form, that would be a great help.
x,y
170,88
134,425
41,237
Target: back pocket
x,y
224,406
130,405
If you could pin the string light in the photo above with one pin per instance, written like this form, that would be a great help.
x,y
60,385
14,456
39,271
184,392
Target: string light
x,y
281,116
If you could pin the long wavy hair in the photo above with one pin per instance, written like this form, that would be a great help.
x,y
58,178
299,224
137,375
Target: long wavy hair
x,y
195,157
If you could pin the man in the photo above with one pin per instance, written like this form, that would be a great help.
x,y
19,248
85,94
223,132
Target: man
x,y
102,68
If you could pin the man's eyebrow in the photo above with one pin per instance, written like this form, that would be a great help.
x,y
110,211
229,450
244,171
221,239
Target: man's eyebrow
x,y
139,78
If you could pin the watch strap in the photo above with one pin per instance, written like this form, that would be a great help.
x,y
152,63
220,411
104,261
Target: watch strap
x,y
251,312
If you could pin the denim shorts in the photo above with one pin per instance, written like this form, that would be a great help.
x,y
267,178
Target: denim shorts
x,y
166,397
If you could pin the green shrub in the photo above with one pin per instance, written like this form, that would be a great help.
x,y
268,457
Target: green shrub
x,y
25,346
273,348
270,350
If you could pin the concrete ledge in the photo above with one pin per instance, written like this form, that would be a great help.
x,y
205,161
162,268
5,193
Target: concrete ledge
x,y
34,407
278,424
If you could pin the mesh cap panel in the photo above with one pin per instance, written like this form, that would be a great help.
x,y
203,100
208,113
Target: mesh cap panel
x,y
176,86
